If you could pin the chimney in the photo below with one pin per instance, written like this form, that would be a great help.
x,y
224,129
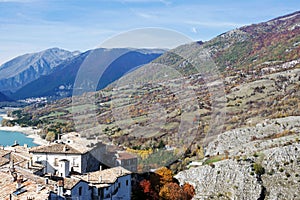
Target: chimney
x,y
19,182
25,145
60,185
14,176
100,167
100,179
31,162
65,148
11,165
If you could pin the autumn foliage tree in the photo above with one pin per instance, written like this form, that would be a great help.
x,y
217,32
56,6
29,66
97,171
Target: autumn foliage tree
x,y
162,176
161,185
145,191
145,186
189,190
172,191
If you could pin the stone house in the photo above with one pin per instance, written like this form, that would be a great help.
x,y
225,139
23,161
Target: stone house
x,y
80,159
109,184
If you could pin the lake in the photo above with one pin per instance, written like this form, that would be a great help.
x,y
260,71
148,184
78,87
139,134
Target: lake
x,y
8,138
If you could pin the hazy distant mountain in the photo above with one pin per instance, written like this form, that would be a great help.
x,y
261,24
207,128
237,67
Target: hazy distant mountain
x,y
60,82
4,97
26,68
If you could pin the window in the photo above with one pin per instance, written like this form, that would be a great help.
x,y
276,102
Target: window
x,y
126,182
75,164
56,162
119,185
80,191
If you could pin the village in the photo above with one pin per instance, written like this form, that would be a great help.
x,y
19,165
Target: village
x,y
68,168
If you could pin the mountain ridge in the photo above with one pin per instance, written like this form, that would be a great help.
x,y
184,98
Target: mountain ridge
x,y
60,82
23,69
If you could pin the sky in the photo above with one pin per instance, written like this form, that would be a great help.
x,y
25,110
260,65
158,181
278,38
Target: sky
x,y
33,25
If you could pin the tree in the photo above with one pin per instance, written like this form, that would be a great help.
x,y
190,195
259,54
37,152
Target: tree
x,y
144,191
146,186
189,190
172,191
160,177
165,175
50,136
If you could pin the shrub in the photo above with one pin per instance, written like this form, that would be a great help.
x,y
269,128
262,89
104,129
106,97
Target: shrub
x,y
258,169
281,169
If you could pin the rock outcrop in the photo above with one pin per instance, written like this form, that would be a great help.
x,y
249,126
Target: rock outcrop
x,y
260,162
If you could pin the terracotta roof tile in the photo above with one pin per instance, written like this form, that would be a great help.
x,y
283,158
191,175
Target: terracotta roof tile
x,y
59,148
3,152
106,176
69,183
3,161
7,187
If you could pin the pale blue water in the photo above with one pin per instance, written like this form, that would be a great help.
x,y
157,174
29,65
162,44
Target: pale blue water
x,y
8,138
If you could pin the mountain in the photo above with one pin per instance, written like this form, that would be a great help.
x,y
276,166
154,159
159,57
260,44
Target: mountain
x,y
4,98
247,48
60,82
274,41
22,70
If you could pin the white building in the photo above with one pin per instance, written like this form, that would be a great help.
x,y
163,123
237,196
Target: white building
x,y
81,159
109,184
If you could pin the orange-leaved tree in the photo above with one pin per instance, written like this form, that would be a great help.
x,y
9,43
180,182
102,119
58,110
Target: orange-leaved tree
x,y
165,174
189,190
171,191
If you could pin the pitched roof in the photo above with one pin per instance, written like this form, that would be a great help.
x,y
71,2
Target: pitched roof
x,y
58,148
69,183
3,152
107,176
30,184
3,161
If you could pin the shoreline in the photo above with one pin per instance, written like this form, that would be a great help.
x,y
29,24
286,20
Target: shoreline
x,y
28,131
